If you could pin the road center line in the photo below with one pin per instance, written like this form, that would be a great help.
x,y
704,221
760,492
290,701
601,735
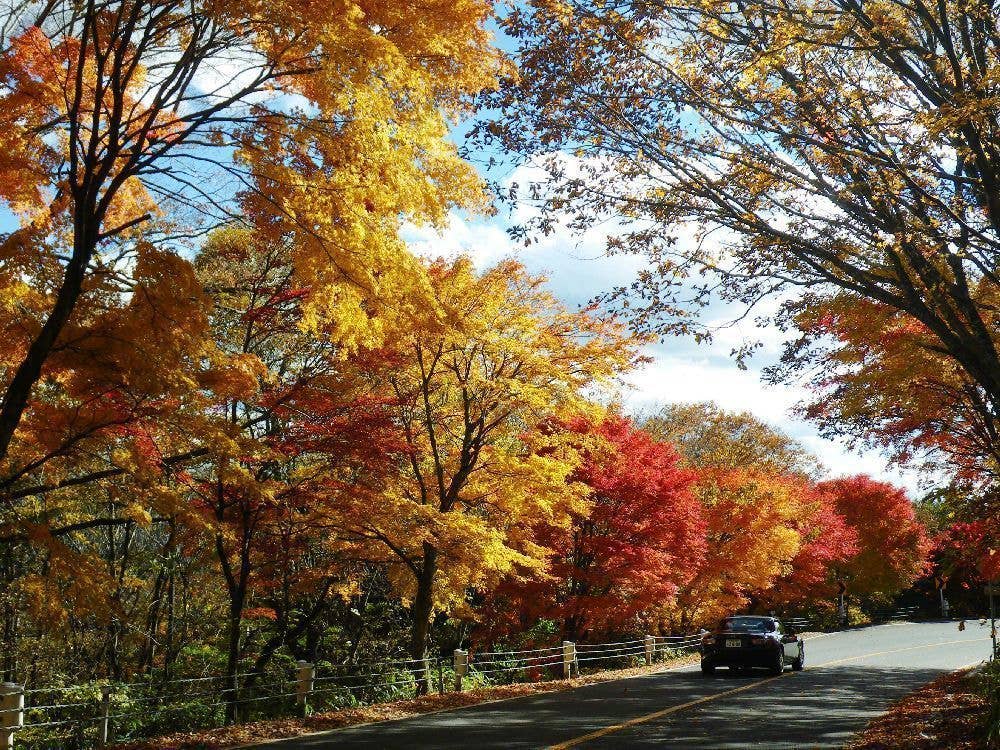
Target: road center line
x,y
742,688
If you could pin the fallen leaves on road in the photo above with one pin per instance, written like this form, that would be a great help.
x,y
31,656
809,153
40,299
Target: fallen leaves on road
x,y
260,731
945,714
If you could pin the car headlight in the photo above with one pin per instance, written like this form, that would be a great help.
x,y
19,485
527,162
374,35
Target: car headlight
x,y
708,640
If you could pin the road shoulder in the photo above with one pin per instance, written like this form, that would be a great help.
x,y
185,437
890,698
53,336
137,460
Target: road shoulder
x,y
946,714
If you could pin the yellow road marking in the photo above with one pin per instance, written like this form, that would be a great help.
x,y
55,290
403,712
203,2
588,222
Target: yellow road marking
x,y
742,688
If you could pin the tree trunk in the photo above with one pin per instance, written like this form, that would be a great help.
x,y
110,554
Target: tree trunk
x,y
169,651
18,391
233,655
148,652
420,612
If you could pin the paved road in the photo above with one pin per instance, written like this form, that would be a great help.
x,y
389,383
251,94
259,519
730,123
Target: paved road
x,y
849,678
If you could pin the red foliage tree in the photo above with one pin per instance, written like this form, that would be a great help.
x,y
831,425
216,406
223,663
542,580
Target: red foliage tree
x,y
967,553
643,537
893,545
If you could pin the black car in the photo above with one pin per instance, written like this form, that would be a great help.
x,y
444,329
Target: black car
x,y
749,641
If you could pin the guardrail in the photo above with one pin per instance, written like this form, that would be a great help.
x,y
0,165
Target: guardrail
x,y
899,613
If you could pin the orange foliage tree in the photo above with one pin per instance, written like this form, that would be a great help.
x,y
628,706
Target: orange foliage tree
x,y
892,543
754,483
881,380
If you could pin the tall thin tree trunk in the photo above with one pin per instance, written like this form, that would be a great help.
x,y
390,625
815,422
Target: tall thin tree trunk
x,y
148,652
233,653
420,612
169,652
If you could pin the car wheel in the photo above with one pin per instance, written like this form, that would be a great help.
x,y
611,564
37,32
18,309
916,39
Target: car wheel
x,y
778,666
707,668
800,661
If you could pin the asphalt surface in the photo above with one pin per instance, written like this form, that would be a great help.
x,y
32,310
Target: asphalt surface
x,y
849,678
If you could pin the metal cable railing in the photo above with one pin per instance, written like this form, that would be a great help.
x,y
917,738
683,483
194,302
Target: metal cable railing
x,y
102,711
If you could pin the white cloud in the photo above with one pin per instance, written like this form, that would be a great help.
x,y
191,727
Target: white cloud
x,y
705,376
681,370
485,242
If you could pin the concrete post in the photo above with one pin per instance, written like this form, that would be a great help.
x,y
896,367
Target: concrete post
x,y
11,712
428,681
305,677
461,663
104,728
569,658
841,601
650,648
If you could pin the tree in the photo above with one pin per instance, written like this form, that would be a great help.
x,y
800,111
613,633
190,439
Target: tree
x,y
892,544
827,543
837,146
311,430
964,557
752,540
879,379
493,357
123,396
707,435
761,511
639,539
131,127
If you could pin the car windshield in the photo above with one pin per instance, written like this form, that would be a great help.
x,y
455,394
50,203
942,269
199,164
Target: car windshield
x,y
745,624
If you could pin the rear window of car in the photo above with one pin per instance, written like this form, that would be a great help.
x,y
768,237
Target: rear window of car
x,y
745,624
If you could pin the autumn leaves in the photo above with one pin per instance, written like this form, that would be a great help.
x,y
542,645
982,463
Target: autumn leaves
x,y
231,393
156,409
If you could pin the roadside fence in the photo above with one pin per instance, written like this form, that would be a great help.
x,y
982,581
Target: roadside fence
x,y
98,714
899,613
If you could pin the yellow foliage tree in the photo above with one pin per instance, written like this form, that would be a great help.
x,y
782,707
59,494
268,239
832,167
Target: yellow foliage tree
x,y
475,376
129,126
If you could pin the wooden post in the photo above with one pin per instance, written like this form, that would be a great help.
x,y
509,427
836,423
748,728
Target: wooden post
x,y
650,643
305,681
569,658
461,663
11,712
104,728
